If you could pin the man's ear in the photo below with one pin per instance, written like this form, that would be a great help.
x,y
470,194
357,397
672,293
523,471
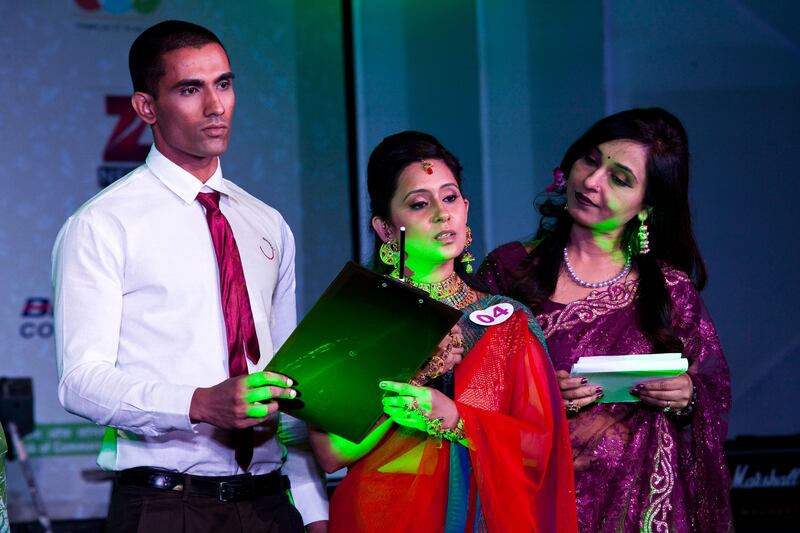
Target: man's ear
x,y
382,228
144,106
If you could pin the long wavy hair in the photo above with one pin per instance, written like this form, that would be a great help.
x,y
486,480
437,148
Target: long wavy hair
x,y
386,163
672,240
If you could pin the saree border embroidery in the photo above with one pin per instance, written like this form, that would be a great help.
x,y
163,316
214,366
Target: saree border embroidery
x,y
662,481
600,303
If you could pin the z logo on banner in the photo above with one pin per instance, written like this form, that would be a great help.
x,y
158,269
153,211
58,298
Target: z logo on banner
x,y
123,150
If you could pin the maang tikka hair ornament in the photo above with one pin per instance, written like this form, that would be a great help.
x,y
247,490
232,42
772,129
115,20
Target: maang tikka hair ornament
x,y
427,166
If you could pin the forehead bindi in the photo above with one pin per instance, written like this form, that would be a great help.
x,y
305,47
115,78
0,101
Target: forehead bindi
x,y
628,155
623,150
417,179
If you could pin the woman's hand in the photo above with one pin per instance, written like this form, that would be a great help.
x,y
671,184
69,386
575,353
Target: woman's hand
x,y
452,347
447,355
577,392
404,409
668,394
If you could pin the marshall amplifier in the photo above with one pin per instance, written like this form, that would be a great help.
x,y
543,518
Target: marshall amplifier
x,y
765,483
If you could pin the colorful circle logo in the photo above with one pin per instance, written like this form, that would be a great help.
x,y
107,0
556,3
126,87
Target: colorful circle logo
x,y
119,6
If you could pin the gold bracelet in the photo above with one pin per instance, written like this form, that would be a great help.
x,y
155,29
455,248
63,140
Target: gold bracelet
x,y
433,426
457,433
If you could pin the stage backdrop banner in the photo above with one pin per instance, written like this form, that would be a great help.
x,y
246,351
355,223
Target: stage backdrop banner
x,y
68,130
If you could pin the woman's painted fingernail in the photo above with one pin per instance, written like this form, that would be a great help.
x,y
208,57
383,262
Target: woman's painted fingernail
x,y
584,381
598,390
292,393
383,384
600,395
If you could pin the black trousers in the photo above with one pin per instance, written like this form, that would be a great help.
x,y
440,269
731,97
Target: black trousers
x,y
150,510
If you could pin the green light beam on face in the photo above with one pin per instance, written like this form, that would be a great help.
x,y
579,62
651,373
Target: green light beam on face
x,y
426,271
607,235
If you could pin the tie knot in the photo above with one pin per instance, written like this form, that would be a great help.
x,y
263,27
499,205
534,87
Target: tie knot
x,y
209,200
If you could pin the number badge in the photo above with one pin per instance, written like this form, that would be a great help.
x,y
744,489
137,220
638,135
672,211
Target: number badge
x,y
491,316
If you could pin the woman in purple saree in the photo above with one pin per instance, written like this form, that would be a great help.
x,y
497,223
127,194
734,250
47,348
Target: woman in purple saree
x,y
614,269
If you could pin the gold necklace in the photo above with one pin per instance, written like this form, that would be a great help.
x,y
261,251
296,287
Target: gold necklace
x,y
451,290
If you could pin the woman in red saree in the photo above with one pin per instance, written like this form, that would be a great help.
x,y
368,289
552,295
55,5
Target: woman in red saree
x,y
481,445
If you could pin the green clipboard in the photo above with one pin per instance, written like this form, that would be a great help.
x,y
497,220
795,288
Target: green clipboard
x,y
365,328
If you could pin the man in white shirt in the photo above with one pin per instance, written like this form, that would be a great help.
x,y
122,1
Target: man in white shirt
x,y
140,327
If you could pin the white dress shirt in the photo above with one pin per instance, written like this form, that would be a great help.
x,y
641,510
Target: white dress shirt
x,y
139,323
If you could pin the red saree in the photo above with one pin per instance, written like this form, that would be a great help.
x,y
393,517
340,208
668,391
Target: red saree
x,y
517,472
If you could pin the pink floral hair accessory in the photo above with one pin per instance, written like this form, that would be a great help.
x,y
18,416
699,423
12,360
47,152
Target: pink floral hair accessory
x,y
559,182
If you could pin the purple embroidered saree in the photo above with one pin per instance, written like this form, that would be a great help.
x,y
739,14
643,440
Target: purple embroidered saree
x,y
635,468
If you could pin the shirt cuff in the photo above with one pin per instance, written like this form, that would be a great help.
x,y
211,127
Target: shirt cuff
x,y
173,413
311,502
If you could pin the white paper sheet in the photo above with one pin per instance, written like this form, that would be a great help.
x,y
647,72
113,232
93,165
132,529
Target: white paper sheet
x,y
618,374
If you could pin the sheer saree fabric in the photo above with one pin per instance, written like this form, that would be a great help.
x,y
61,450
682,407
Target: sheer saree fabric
x,y
635,468
515,474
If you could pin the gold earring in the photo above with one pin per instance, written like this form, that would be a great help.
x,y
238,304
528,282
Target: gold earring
x,y
466,257
390,252
643,236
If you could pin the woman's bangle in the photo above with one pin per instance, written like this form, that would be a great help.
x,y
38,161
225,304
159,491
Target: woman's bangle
x,y
435,366
687,411
457,433
433,426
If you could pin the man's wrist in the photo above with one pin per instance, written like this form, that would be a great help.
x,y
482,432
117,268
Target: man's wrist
x,y
196,406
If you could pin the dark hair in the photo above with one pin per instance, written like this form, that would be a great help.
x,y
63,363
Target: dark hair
x,y
672,240
387,162
145,59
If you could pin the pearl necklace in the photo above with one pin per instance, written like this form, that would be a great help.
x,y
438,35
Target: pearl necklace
x,y
600,284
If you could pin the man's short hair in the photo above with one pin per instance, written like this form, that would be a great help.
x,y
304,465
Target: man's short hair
x,y
145,59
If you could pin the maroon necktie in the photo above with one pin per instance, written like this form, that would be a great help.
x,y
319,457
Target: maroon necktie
x,y
239,325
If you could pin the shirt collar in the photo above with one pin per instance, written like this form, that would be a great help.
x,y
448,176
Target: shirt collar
x,y
181,182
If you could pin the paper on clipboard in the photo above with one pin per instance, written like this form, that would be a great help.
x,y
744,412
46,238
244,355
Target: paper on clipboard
x,y
618,374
